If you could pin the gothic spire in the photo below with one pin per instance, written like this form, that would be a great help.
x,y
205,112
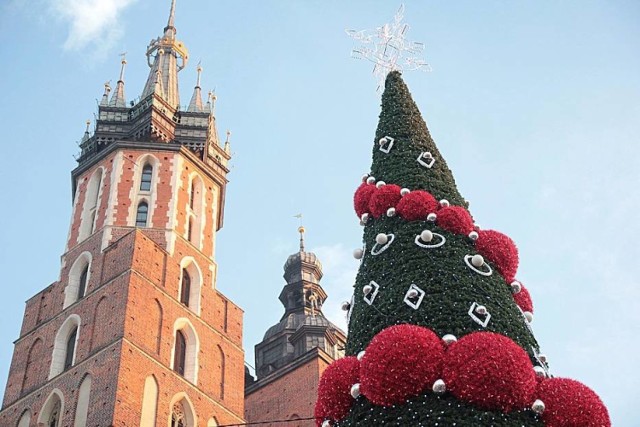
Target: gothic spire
x,y
118,99
167,55
196,99
105,96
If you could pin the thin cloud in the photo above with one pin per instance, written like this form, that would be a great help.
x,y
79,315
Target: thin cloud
x,y
91,22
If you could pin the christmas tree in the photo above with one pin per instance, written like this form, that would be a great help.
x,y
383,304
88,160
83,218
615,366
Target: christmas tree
x,y
439,327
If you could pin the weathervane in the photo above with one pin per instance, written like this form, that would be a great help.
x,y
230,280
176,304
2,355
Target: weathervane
x,y
390,50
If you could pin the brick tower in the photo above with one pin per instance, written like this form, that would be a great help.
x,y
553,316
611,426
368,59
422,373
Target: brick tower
x,y
295,351
134,332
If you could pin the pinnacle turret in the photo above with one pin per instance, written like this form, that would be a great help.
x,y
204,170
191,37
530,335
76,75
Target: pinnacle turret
x,y
196,99
118,98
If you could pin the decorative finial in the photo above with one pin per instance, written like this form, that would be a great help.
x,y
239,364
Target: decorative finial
x,y
123,63
228,137
107,86
88,122
172,15
388,46
199,70
301,230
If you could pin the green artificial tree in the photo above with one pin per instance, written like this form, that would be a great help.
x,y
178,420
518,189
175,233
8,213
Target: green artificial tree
x,y
439,328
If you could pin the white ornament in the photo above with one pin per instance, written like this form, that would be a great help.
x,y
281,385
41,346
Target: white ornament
x,y
540,371
326,423
542,358
538,406
423,240
516,287
426,159
477,260
473,235
364,218
449,339
529,316
364,177
468,259
382,239
386,144
444,203
391,212
371,180
355,390
404,191
481,309
378,248
426,236
432,217
380,184
414,296
472,313
439,387
357,253
345,306
370,292
360,355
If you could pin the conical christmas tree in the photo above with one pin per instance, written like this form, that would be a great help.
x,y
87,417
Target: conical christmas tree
x,y
439,328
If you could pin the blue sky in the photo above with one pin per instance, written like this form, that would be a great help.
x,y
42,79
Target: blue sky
x,y
534,104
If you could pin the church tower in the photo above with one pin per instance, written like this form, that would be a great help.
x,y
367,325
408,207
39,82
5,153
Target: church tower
x,y
295,351
134,332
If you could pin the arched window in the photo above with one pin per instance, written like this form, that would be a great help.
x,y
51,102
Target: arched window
x,y
51,413
185,289
184,356
195,218
79,275
33,372
82,285
25,419
149,402
190,229
70,352
179,357
182,413
190,284
145,178
64,347
82,409
90,206
141,214
212,422
192,195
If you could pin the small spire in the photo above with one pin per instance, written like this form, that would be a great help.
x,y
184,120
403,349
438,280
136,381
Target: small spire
x,y
301,230
196,100
171,22
227,143
118,98
105,96
86,132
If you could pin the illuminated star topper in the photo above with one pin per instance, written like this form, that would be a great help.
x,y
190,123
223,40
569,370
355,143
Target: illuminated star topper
x,y
388,48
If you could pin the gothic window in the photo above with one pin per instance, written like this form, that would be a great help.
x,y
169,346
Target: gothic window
x,y
149,402
90,206
185,289
82,408
190,229
179,357
145,179
54,418
25,419
195,220
141,214
82,285
177,416
64,347
192,194
70,350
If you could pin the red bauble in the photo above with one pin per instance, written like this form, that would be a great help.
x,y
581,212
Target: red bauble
x,y
416,205
569,403
361,198
500,250
334,391
455,219
400,362
523,299
490,371
383,198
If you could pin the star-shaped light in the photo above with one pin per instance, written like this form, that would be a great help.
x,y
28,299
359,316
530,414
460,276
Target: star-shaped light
x,y
388,48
